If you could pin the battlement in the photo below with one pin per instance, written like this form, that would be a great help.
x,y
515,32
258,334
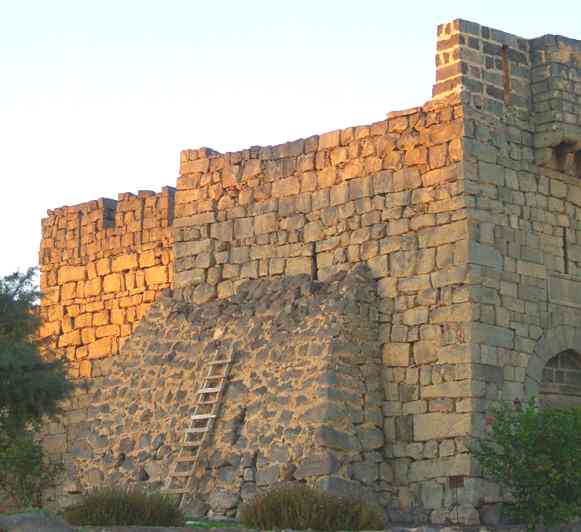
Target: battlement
x,y
104,226
102,263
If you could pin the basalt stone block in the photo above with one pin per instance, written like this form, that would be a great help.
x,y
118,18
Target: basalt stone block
x,y
97,441
342,487
126,445
248,490
81,450
324,413
267,475
334,439
221,500
371,438
366,472
324,463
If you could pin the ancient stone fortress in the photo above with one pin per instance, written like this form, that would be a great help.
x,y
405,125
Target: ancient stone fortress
x,y
372,290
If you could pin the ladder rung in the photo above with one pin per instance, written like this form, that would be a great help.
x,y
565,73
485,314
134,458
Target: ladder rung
x,y
214,378
196,430
177,491
185,459
211,402
209,390
219,362
203,416
191,444
181,474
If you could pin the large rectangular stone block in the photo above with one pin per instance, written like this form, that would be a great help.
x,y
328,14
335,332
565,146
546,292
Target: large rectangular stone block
x,y
112,283
101,348
299,265
459,465
286,187
187,249
396,354
265,223
484,333
565,291
440,425
444,234
69,274
454,389
156,275
124,262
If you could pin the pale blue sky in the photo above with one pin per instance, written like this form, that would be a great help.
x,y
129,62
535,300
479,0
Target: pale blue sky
x,y
98,97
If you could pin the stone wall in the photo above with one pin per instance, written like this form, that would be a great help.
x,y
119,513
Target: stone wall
x,y
465,213
303,402
102,264
316,205
390,196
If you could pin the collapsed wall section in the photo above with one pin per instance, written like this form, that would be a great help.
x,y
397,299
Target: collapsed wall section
x,y
102,263
303,403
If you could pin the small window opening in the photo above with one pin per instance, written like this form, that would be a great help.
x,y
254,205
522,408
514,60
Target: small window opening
x,y
565,251
561,382
506,75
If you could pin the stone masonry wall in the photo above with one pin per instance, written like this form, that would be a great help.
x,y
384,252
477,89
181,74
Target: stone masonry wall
x,y
391,196
314,205
102,264
466,214
303,401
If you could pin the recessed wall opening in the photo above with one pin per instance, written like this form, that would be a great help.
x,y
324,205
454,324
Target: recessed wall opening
x,y
506,76
568,158
561,384
565,252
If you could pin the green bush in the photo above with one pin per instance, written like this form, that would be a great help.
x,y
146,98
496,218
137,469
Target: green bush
x,y
536,454
24,471
300,507
125,507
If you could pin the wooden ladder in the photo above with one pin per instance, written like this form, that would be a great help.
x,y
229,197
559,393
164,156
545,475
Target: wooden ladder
x,y
206,409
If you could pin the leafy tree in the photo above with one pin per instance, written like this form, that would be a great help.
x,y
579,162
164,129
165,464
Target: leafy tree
x,y
536,454
25,472
30,385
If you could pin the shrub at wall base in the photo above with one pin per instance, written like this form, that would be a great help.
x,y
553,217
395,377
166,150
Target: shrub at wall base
x,y
536,454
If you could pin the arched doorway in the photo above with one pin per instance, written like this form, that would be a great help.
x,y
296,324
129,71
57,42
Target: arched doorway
x,y
561,380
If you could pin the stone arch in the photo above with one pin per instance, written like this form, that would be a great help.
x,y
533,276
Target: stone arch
x,y
556,346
